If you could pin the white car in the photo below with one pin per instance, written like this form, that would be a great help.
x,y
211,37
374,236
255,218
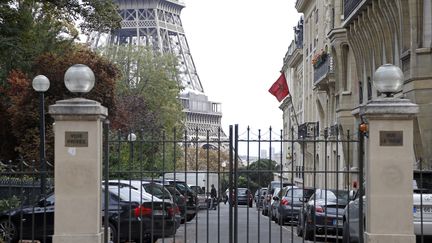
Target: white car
x,y
151,190
422,209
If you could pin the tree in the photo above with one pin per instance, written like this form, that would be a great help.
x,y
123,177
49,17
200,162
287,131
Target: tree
x,y
199,158
148,104
32,28
147,91
23,100
258,174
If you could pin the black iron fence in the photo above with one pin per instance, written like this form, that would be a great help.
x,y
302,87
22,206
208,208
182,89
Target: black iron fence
x,y
299,205
181,187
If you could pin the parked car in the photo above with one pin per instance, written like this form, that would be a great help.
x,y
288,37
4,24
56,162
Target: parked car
x,y
202,198
272,210
323,213
187,192
420,208
260,196
148,187
153,190
179,200
290,203
244,197
127,207
270,188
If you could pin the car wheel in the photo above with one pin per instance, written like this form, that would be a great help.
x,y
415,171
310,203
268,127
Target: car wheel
x,y
112,233
189,217
345,233
8,231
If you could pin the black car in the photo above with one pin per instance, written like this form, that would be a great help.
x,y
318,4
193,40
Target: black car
x,y
187,192
179,199
323,213
289,204
244,197
128,213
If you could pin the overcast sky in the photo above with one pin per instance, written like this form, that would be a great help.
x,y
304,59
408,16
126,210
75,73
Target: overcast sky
x,y
238,48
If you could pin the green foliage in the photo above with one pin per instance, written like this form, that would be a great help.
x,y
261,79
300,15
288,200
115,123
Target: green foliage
x,y
260,174
147,93
22,109
11,203
147,104
30,29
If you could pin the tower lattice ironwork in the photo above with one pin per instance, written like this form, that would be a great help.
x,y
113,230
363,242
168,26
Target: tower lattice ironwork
x,y
157,24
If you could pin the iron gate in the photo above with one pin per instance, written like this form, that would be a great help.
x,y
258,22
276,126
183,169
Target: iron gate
x,y
187,164
326,162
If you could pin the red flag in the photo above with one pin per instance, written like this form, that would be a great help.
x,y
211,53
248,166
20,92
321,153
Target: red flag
x,y
280,88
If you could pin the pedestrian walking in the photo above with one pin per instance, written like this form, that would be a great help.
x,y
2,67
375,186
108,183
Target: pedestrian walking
x,y
213,195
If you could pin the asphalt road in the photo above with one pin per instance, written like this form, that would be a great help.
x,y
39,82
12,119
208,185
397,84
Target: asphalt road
x,y
212,226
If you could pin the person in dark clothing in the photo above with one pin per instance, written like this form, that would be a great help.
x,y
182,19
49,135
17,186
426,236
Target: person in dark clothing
x,y
213,195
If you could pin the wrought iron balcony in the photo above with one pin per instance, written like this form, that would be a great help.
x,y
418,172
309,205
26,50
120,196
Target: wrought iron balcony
x,y
350,6
331,131
308,130
323,70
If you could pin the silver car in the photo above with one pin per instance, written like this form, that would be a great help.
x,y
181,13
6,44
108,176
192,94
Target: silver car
x,y
420,209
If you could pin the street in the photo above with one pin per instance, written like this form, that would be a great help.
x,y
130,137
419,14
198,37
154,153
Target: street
x,y
214,228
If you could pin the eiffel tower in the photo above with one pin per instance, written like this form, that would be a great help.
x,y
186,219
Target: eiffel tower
x,y
157,23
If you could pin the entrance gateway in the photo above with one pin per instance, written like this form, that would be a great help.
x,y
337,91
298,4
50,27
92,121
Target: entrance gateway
x,y
233,163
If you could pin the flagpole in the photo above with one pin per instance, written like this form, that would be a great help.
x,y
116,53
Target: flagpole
x,y
295,113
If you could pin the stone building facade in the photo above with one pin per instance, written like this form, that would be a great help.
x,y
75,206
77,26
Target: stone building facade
x,y
397,32
330,76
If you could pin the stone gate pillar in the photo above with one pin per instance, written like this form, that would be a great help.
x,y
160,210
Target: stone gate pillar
x,y
78,169
389,169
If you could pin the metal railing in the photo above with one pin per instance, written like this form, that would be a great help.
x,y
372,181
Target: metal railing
x,y
137,208
324,69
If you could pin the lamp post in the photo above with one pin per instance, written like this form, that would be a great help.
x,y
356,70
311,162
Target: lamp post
x,y
388,79
41,84
389,124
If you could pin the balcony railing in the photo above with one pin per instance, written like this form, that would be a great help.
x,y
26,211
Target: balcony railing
x,y
308,130
350,6
331,131
324,69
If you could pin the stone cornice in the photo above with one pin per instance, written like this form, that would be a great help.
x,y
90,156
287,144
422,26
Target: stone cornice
x,y
301,5
337,35
296,57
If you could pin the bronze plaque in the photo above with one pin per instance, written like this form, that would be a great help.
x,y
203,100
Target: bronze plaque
x,y
391,138
76,139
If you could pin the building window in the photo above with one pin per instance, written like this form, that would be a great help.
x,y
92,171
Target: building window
x,y
369,88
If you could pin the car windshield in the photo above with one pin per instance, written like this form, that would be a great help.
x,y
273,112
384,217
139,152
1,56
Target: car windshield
x,y
198,189
157,190
295,193
172,190
242,191
126,193
333,195
182,186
